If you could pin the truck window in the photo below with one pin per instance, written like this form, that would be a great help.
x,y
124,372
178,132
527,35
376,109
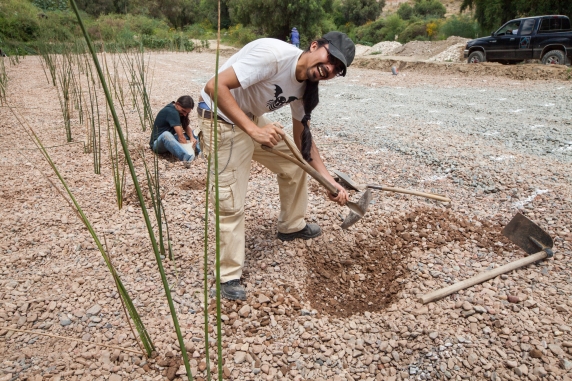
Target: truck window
x,y
509,28
554,24
527,26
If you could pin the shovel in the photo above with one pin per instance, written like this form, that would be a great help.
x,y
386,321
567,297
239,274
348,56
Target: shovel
x,y
345,179
522,232
357,209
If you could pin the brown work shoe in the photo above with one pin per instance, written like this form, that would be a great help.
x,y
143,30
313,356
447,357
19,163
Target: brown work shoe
x,y
309,231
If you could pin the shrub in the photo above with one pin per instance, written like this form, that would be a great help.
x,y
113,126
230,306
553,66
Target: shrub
x,y
462,26
368,34
405,11
52,5
427,8
394,25
241,35
18,21
415,31
361,11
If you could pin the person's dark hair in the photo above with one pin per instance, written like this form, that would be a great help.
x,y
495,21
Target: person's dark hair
x,y
310,101
185,102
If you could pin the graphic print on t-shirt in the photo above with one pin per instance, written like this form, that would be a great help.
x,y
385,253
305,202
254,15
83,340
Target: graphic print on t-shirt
x,y
279,101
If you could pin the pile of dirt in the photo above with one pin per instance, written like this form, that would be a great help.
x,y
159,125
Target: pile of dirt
x,y
344,280
451,54
521,72
383,48
449,50
424,50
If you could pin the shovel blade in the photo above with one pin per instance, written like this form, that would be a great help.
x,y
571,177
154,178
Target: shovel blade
x,y
357,209
520,230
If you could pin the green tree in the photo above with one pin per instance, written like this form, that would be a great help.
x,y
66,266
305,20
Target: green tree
x,y
207,10
429,8
358,12
276,18
405,11
491,14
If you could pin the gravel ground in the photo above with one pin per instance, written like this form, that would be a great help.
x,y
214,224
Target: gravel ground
x,y
343,306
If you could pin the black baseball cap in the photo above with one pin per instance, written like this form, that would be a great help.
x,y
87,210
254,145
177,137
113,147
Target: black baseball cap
x,y
341,47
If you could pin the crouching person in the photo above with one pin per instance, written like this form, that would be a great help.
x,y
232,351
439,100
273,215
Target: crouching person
x,y
171,131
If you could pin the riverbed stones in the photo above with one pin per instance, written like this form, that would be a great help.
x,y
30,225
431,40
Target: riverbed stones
x,y
52,273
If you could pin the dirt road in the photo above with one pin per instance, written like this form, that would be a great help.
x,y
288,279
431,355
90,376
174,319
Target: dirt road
x,y
342,307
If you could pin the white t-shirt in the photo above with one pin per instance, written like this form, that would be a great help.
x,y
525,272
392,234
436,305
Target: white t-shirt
x,y
266,70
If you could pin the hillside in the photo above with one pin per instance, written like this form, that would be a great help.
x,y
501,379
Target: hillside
x,y
453,6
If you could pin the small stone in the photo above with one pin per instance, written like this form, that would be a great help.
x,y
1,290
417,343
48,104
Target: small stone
x,y
539,372
420,311
115,377
95,310
511,364
480,309
65,321
565,364
521,370
513,299
244,311
433,335
172,372
263,299
556,349
472,358
535,353
239,357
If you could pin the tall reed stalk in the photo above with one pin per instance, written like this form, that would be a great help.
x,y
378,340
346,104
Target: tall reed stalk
x,y
126,299
139,193
3,81
137,69
117,163
48,62
94,131
214,152
65,78
155,194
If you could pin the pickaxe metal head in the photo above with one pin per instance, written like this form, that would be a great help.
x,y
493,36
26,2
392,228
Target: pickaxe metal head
x,y
357,209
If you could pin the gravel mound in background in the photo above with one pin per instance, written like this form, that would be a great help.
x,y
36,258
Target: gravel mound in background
x,y
428,49
445,50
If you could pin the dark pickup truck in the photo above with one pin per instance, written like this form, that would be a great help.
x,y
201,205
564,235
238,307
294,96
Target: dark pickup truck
x,y
545,38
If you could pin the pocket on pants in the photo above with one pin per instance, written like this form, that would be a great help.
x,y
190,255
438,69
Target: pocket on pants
x,y
226,191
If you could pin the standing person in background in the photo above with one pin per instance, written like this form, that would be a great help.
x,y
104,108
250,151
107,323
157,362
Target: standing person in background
x,y
295,37
171,131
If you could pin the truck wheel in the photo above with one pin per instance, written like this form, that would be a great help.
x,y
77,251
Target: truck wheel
x,y
554,57
476,57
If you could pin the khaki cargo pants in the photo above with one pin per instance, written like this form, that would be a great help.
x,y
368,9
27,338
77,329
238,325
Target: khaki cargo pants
x,y
236,149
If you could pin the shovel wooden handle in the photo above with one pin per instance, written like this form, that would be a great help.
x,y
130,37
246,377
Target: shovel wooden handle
x,y
412,192
305,166
479,278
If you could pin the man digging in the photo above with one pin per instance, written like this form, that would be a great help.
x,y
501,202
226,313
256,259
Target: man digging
x,y
264,76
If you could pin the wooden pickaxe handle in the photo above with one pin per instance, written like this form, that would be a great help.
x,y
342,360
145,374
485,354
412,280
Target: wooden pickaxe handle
x,y
412,192
305,166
